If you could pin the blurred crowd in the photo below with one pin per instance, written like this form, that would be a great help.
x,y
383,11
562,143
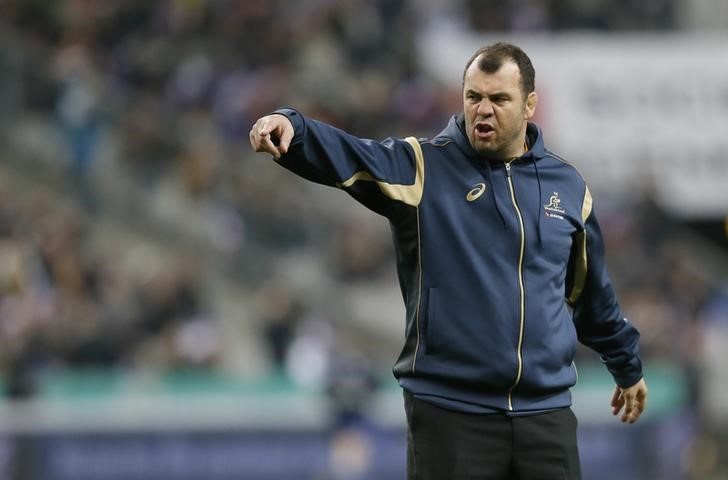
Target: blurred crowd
x,y
68,302
160,96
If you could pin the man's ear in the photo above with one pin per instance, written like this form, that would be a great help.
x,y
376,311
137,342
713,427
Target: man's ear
x,y
531,102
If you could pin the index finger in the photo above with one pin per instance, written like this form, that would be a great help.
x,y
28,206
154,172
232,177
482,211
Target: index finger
x,y
260,138
266,145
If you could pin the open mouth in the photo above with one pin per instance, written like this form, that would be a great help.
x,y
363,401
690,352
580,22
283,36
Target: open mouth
x,y
484,130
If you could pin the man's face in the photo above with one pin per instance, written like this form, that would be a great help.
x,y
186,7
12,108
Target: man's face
x,y
496,113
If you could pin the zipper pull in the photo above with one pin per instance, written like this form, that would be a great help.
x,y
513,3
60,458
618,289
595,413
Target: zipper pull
x,y
508,168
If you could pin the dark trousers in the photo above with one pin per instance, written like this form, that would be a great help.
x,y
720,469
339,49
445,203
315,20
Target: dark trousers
x,y
448,445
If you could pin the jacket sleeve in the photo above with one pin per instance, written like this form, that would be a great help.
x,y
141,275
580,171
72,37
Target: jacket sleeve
x,y
599,321
374,173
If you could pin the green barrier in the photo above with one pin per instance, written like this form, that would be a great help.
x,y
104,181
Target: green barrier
x,y
668,386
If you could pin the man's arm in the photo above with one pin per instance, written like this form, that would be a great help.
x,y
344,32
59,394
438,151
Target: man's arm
x,y
599,322
375,173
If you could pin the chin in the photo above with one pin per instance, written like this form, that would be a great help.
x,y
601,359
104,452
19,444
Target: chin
x,y
481,148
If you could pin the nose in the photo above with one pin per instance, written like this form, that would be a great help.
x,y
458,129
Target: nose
x,y
485,108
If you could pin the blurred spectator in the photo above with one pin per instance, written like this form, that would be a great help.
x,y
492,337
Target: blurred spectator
x,y
79,115
360,254
280,314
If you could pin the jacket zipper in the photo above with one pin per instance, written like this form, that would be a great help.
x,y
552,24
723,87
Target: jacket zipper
x,y
521,289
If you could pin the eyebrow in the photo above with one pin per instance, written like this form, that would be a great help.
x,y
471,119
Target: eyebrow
x,y
496,94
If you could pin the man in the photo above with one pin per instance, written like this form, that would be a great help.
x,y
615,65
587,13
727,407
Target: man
x,y
501,265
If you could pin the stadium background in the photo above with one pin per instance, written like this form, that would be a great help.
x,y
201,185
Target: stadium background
x,y
173,306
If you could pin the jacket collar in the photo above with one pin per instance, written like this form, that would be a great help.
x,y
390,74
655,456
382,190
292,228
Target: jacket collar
x,y
455,130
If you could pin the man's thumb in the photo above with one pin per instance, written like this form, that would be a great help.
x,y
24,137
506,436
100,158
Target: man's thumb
x,y
285,140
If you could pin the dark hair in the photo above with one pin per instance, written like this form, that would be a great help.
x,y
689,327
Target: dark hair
x,y
492,58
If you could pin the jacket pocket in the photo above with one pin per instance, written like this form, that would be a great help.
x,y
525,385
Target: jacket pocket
x,y
573,339
432,343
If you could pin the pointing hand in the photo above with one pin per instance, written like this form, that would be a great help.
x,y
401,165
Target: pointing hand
x,y
272,134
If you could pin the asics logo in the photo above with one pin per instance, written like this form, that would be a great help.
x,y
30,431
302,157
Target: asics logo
x,y
476,192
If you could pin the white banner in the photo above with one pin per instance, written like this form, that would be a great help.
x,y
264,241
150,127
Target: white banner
x,y
631,112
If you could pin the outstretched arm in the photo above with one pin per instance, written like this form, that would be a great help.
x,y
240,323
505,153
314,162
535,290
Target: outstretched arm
x,y
377,174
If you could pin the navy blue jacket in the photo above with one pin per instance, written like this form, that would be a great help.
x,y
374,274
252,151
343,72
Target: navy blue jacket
x,y
501,264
